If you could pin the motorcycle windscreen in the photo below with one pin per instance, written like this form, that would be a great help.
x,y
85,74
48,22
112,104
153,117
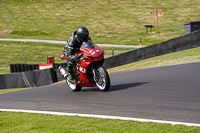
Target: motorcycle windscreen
x,y
88,44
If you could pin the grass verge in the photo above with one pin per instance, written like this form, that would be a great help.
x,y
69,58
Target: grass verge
x,y
33,123
109,21
2,91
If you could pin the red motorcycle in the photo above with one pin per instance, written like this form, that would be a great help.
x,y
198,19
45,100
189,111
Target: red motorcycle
x,y
89,68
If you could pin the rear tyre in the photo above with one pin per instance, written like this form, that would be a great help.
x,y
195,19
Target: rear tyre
x,y
102,79
73,87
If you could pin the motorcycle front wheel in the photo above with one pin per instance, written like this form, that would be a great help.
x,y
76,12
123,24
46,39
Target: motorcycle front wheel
x,y
102,78
73,87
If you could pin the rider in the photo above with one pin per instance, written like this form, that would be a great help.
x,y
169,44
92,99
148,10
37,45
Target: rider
x,y
73,45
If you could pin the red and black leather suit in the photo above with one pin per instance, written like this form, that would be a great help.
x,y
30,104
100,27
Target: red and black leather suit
x,y
73,45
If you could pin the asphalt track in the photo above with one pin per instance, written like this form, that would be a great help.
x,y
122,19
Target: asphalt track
x,y
165,93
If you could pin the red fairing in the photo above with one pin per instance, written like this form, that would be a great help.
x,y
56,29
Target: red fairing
x,y
62,57
94,54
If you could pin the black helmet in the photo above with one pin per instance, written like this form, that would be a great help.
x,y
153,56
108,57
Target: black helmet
x,y
82,33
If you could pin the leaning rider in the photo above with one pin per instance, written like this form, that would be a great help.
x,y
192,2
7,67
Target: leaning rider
x,y
73,45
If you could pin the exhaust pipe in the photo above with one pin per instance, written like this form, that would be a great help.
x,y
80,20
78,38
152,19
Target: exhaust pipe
x,y
62,71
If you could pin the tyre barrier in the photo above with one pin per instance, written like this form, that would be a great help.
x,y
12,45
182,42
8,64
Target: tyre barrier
x,y
29,67
23,67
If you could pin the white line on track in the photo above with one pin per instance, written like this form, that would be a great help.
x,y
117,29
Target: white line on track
x,y
100,116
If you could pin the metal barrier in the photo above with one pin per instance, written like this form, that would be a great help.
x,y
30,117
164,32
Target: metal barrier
x,y
28,79
177,44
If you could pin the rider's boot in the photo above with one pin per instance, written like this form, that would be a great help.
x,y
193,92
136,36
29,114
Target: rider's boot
x,y
72,74
72,77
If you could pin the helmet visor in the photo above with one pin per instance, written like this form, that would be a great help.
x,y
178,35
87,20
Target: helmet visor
x,y
83,37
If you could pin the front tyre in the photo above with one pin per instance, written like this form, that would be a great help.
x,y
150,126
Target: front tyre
x,y
73,87
102,78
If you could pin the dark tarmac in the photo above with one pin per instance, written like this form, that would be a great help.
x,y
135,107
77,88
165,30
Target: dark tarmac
x,y
169,93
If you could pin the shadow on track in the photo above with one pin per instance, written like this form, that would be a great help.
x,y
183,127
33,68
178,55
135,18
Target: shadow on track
x,y
118,87
126,86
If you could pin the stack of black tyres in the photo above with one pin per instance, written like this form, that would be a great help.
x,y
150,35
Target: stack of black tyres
x,y
14,68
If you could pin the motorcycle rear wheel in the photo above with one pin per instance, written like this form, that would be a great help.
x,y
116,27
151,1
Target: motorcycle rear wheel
x,y
73,87
103,79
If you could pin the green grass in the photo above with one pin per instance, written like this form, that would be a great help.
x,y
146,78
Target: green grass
x,y
33,123
2,91
109,21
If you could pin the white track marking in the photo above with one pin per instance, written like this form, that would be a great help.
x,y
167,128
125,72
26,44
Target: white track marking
x,y
101,116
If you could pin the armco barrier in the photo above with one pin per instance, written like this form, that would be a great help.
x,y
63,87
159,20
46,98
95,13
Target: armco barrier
x,y
2,82
58,75
27,79
43,77
177,44
12,80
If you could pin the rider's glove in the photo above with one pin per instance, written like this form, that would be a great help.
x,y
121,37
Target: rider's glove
x,y
77,58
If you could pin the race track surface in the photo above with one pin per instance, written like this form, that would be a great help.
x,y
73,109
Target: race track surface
x,y
165,93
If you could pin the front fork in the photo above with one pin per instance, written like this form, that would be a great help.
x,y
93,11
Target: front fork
x,y
96,75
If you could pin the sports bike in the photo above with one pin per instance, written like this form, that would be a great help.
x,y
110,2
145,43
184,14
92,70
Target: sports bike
x,y
89,68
